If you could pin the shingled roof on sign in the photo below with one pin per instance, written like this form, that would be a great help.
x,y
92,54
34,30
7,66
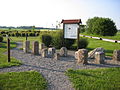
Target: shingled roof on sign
x,y
73,21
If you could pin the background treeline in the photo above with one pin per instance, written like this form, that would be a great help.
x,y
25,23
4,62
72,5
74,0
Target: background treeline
x,y
24,27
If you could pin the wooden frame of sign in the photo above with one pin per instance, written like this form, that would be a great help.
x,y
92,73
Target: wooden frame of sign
x,y
71,29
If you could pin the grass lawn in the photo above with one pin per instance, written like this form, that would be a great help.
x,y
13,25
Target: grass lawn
x,y
3,57
95,79
30,80
116,37
108,46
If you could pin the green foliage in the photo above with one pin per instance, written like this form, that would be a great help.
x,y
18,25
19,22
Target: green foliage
x,y
83,43
57,40
101,26
1,38
46,39
95,79
29,80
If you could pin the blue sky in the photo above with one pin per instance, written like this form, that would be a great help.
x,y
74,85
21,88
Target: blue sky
x,y
46,13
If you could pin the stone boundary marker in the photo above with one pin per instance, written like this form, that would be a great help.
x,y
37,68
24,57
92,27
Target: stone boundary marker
x,y
35,49
26,46
116,55
44,52
63,51
82,56
99,57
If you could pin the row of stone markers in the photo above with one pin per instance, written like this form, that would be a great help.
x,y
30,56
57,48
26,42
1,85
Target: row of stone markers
x,y
43,50
99,56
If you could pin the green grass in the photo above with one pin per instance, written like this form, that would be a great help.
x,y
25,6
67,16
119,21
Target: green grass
x,y
3,57
116,37
30,80
108,46
95,79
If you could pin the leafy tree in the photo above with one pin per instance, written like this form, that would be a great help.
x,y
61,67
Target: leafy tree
x,y
101,26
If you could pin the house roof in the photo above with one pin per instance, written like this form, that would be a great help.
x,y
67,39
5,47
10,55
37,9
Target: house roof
x,y
73,21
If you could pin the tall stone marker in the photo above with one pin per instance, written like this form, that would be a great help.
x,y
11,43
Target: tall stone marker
x,y
35,49
26,46
82,56
116,55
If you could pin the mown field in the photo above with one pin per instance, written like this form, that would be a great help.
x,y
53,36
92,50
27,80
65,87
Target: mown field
x,y
29,80
3,57
95,79
116,37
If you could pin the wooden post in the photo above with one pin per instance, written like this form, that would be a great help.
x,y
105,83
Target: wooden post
x,y
26,36
8,49
78,31
63,34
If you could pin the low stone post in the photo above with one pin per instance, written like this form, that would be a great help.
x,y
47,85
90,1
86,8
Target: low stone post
x,y
82,56
63,51
56,56
76,55
41,46
26,46
35,49
99,57
116,55
51,51
44,52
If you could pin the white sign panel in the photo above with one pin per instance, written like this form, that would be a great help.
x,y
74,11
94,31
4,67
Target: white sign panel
x,y
70,31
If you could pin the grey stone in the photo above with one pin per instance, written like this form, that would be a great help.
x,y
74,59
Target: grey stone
x,y
82,56
99,57
26,46
91,54
63,51
76,55
116,55
56,56
35,48
44,52
51,51
41,46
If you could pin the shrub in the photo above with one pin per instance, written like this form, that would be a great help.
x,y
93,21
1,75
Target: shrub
x,y
83,42
46,39
57,40
101,26
1,38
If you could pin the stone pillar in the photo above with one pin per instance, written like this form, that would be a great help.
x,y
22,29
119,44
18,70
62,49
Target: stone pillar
x,y
99,57
44,52
41,46
51,51
76,55
35,49
63,51
116,55
82,56
26,46
56,56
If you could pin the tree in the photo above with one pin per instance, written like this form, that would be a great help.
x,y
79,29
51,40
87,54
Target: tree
x,y
101,26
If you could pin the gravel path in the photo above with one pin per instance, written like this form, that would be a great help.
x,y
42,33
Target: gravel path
x,y
52,70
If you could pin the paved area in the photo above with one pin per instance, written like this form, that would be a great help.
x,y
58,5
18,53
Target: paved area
x,y
52,70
